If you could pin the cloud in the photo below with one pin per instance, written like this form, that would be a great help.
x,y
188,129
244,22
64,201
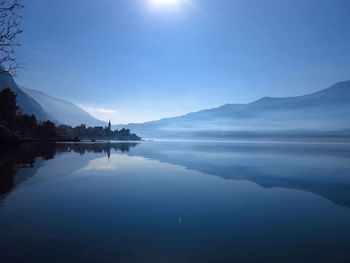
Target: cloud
x,y
100,110
104,114
100,164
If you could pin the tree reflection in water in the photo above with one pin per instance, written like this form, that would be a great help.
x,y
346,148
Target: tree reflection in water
x,y
14,160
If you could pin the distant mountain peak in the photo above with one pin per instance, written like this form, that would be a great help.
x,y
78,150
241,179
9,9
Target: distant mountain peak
x,y
339,86
325,110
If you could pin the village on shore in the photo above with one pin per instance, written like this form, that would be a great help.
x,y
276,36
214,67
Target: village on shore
x,y
16,127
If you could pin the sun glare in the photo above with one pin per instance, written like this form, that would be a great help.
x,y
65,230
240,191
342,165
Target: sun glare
x,y
164,2
175,5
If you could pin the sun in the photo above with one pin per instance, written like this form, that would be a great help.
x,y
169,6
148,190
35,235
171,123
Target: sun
x,y
165,2
173,6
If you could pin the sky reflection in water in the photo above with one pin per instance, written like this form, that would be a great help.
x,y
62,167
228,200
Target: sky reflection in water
x,y
176,202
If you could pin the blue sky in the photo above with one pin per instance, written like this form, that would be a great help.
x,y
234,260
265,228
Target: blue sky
x,y
129,61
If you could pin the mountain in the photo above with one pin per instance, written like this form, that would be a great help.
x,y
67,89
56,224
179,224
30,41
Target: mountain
x,y
24,101
63,111
324,111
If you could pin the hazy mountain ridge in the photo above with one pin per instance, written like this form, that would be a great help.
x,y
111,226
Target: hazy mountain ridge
x,y
325,110
46,107
27,104
65,112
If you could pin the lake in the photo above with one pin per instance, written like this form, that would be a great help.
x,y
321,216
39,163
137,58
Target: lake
x,y
176,202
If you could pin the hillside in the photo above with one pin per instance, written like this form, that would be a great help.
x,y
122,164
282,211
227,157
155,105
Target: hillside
x,y
323,111
63,111
27,104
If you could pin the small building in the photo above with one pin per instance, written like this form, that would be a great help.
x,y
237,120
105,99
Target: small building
x,y
98,131
65,131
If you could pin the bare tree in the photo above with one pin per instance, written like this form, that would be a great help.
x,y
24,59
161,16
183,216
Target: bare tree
x,y
10,29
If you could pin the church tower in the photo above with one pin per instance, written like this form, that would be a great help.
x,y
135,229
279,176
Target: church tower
x,y
109,126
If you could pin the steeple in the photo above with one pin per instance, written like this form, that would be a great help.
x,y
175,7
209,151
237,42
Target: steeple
x,y
109,126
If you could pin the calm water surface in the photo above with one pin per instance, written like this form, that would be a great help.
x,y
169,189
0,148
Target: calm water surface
x,y
176,202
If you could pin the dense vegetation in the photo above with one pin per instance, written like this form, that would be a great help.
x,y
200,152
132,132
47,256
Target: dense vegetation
x,y
104,133
15,126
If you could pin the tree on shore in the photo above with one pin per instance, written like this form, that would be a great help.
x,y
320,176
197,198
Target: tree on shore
x,y
8,107
10,29
22,124
46,130
26,125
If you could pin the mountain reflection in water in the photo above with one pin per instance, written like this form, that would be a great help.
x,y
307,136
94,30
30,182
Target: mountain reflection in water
x,y
24,159
175,202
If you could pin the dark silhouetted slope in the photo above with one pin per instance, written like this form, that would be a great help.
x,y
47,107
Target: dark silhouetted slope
x,y
27,104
